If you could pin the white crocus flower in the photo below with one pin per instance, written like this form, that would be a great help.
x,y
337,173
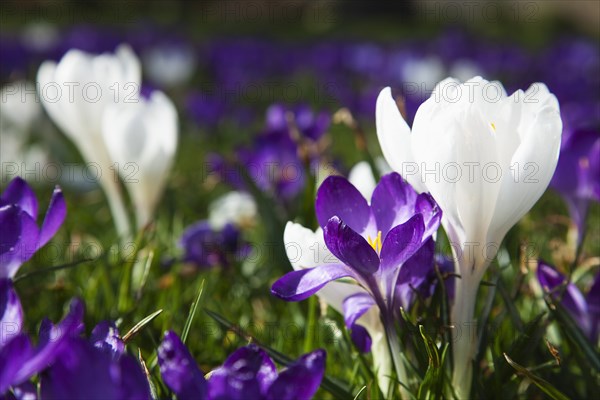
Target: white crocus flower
x,y
75,93
170,65
141,138
486,158
20,106
234,207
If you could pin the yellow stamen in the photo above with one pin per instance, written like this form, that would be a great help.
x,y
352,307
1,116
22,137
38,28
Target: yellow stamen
x,y
493,126
375,243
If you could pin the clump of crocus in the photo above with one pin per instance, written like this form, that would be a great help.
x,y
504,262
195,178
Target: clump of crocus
x,y
248,373
115,129
206,246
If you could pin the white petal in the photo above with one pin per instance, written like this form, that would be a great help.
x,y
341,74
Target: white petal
x,y
142,138
234,207
361,176
395,139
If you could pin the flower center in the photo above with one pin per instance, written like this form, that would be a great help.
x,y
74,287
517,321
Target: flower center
x,y
375,243
493,126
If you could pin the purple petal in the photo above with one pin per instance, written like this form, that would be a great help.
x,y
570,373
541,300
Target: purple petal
x,y
572,299
301,284
402,242
593,301
85,372
25,391
105,336
133,383
415,274
246,374
355,306
12,355
393,202
18,192
338,197
275,118
19,239
350,247
55,216
361,338
431,212
52,343
179,370
11,313
301,379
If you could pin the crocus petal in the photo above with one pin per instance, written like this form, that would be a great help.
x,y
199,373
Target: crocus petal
x,y
395,137
19,239
12,355
361,338
350,247
83,371
19,192
246,374
105,336
11,312
25,391
355,306
55,216
142,138
414,275
571,298
361,177
52,343
337,197
393,202
402,242
301,379
301,284
532,165
179,370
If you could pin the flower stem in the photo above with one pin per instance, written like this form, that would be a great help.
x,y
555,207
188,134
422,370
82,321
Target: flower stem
x,y
465,339
117,207
394,345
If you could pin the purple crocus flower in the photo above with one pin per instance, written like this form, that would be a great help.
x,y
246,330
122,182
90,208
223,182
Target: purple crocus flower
x,y
247,373
382,246
274,165
85,370
19,359
21,236
312,125
206,246
385,247
585,310
577,176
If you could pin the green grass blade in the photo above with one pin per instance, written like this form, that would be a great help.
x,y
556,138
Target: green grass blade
x,y
337,389
191,315
545,386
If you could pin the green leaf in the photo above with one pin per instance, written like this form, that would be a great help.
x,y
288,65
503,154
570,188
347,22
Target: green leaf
x,y
140,325
336,388
433,383
545,386
575,334
190,318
